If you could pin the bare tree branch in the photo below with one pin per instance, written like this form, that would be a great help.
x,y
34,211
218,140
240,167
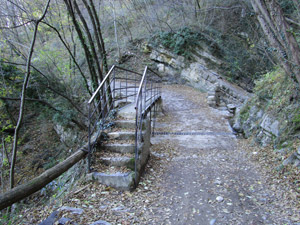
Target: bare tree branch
x,y
21,112
45,103
72,56
292,21
48,86
18,6
18,26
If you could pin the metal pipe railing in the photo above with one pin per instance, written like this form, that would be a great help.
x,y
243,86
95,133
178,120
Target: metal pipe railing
x,y
144,89
102,103
148,93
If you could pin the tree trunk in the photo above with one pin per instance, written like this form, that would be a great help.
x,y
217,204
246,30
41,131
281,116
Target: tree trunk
x,y
91,42
104,58
101,49
87,52
116,31
277,31
18,193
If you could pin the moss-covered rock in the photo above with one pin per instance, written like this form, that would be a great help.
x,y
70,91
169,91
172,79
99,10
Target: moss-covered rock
x,y
272,115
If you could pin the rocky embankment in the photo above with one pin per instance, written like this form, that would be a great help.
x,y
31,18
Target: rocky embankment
x,y
250,114
199,73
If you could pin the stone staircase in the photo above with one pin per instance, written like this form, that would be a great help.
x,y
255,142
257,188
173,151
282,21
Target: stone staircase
x,y
114,159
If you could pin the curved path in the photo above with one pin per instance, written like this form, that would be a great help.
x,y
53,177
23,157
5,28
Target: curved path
x,y
208,180
196,175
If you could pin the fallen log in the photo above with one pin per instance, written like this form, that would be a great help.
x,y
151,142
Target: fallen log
x,y
18,193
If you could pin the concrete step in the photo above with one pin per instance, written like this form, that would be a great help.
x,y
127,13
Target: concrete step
x,y
119,161
121,181
119,148
125,124
121,103
128,112
122,135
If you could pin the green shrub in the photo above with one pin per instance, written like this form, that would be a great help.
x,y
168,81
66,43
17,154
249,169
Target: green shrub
x,y
244,60
180,42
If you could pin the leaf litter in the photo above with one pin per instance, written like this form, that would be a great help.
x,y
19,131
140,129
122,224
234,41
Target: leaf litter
x,y
224,184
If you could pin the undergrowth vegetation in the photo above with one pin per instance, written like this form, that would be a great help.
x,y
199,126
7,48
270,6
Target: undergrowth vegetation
x,y
277,95
244,60
180,42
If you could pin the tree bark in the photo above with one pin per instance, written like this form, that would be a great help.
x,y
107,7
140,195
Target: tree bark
x,y
90,40
116,31
81,37
104,58
100,44
278,32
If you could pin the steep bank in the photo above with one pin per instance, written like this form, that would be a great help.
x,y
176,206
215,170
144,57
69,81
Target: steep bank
x,y
272,116
199,72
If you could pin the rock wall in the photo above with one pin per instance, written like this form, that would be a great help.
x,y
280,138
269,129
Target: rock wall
x,y
252,120
270,120
197,74
220,91
267,129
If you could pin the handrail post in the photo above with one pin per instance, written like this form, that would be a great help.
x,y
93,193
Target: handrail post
x,y
138,121
126,93
136,143
89,140
114,87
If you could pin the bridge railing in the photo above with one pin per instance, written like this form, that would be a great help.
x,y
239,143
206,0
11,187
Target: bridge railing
x,y
120,86
148,94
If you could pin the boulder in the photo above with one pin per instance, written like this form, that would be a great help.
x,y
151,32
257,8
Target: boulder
x,y
51,219
231,108
77,211
270,124
237,127
165,57
290,160
264,138
161,68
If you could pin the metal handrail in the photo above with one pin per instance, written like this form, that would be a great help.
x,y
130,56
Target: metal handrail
x,y
140,87
101,85
102,103
142,108
142,82
106,77
144,88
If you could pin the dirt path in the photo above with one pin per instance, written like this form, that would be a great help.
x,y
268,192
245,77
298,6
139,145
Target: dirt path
x,y
208,180
196,175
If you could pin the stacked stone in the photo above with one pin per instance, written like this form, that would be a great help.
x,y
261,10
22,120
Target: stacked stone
x,y
211,99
